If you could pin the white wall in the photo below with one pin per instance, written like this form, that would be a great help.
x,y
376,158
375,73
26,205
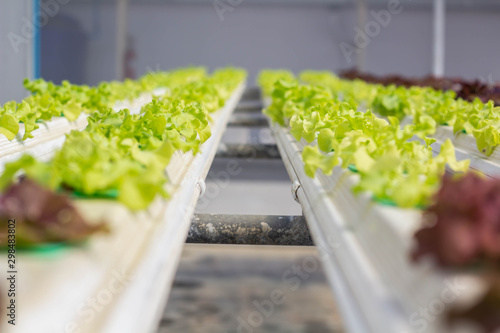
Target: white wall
x,y
252,36
16,61
297,37
99,22
257,36
404,46
473,45
173,35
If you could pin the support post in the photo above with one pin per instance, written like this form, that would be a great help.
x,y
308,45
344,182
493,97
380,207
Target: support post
x,y
36,61
439,38
362,13
121,37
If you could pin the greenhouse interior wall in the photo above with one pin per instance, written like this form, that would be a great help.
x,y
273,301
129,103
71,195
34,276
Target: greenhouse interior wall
x,y
293,36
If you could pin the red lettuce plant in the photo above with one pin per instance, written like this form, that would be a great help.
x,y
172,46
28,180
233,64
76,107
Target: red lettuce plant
x,y
42,216
463,227
463,224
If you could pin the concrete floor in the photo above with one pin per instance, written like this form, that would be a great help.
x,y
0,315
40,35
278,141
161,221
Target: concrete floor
x,y
250,289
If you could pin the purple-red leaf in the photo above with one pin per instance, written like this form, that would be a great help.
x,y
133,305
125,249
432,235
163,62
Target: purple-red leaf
x,y
465,222
42,216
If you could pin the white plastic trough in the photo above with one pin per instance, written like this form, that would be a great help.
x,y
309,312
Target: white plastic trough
x,y
364,248
119,282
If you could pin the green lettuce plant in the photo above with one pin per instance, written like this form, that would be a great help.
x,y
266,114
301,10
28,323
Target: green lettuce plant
x,y
124,155
390,165
426,106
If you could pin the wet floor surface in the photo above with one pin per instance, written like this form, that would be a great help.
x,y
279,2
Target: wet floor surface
x,y
250,289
